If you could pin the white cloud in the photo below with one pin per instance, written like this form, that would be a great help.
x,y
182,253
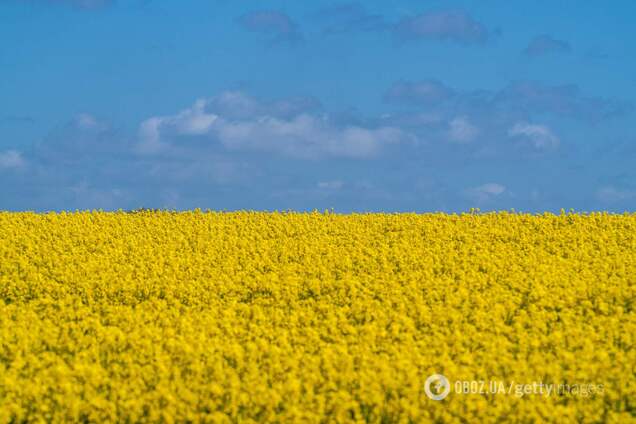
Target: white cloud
x,y
150,136
485,192
191,121
11,159
239,122
540,136
461,130
304,136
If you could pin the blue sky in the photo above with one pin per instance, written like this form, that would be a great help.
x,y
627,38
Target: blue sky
x,y
374,106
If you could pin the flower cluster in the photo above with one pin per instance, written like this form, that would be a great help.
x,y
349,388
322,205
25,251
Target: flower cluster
x,y
313,317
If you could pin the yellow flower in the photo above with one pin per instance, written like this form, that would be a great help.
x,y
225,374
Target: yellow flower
x,y
315,317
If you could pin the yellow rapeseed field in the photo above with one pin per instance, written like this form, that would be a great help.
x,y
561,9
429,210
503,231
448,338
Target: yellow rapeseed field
x,y
316,317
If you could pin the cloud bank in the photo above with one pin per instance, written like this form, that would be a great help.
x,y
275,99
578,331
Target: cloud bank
x,y
437,148
290,127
